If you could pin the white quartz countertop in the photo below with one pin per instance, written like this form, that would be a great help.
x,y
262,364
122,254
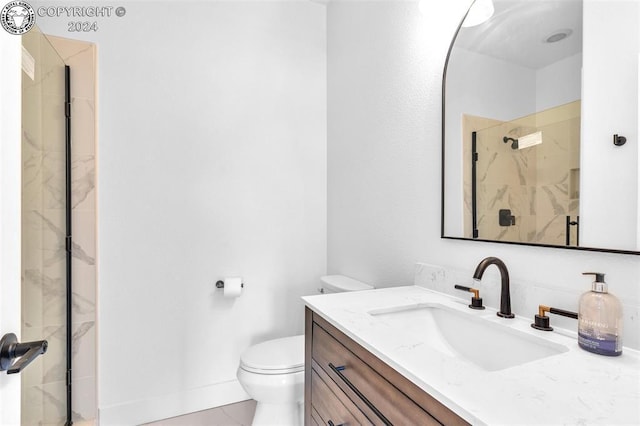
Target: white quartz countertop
x,y
575,387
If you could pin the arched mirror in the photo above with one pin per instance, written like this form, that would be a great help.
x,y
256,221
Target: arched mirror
x,y
540,125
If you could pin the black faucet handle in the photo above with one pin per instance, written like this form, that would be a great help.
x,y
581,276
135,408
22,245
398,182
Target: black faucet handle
x,y
476,300
541,321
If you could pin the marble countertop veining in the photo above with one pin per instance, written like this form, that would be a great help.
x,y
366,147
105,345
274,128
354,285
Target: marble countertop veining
x,y
575,387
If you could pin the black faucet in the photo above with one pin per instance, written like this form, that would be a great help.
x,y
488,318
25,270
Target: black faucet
x,y
505,296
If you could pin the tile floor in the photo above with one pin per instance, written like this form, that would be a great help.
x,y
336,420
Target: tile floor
x,y
238,414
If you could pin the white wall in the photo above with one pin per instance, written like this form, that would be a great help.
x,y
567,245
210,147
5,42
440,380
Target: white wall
x,y
559,83
212,162
384,160
489,87
10,224
610,107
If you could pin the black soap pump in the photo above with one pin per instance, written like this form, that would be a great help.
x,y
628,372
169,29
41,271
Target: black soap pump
x,y
600,319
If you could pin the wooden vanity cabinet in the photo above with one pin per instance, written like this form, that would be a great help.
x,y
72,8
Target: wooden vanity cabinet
x,y
347,385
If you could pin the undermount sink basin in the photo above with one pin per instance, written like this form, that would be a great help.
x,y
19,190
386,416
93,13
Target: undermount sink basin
x,y
486,343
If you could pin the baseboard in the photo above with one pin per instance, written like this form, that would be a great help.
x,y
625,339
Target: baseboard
x,y
171,405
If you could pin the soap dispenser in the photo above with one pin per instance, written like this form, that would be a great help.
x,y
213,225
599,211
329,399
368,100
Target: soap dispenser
x,y
600,319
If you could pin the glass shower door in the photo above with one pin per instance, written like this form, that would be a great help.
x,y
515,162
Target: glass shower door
x,y
528,178
44,269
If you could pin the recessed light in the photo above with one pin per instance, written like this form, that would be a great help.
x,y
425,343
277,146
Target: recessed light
x,y
558,35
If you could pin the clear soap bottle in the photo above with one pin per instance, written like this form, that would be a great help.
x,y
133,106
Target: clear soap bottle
x,y
600,319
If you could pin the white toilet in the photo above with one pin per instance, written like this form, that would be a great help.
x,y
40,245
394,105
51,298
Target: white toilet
x,y
272,372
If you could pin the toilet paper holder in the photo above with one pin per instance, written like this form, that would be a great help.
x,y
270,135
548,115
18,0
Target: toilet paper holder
x,y
220,284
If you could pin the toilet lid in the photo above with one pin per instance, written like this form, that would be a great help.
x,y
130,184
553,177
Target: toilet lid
x,y
276,356
340,283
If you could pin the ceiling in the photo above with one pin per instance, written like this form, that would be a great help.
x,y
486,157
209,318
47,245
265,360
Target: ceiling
x,y
518,29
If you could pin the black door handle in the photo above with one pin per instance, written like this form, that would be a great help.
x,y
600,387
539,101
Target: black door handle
x,y
10,349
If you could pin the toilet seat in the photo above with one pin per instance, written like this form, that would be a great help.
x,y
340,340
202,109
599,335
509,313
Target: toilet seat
x,y
278,356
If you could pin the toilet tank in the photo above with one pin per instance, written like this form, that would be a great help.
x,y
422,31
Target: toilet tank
x,y
340,283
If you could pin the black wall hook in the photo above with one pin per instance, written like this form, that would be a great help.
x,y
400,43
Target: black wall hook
x,y
619,140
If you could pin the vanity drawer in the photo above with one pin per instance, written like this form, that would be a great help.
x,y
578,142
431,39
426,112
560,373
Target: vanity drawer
x,y
370,391
328,407
315,418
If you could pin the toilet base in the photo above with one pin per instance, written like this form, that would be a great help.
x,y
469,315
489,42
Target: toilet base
x,y
278,415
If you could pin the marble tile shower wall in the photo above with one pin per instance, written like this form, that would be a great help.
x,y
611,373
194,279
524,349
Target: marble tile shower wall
x,y
538,184
44,316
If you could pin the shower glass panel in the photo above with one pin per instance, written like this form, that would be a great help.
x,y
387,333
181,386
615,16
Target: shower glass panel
x,y
527,184
44,394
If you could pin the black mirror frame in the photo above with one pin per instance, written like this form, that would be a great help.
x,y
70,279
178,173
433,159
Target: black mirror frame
x,y
442,185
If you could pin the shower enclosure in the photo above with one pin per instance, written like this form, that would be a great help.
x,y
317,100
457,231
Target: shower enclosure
x,y
46,231
522,177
